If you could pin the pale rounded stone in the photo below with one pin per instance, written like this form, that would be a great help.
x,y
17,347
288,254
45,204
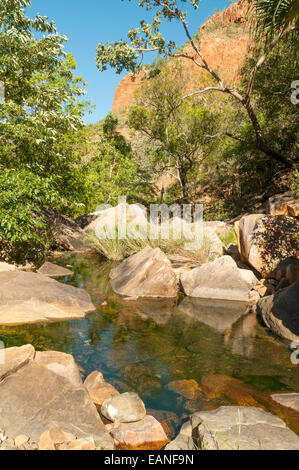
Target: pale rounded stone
x,y
124,408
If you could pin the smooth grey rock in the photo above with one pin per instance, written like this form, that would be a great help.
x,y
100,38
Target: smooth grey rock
x,y
124,408
242,428
30,298
221,279
147,274
280,312
53,270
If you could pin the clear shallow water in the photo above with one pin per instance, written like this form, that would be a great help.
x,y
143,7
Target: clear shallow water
x,y
145,345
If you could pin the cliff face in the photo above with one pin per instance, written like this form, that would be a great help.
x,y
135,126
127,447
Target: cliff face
x,y
224,43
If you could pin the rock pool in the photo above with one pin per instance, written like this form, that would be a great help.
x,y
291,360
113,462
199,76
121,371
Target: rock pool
x,y
160,349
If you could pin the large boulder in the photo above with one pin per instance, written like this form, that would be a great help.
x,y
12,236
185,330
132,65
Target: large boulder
x,y
280,312
30,298
147,274
221,279
124,408
39,396
267,241
242,428
147,434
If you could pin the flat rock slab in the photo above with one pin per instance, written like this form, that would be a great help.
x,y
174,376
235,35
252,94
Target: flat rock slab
x,y
221,279
291,400
218,314
31,298
36,398
53,270
243,428
147,274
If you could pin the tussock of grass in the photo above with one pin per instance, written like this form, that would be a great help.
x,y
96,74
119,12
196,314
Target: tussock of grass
x,y
119,249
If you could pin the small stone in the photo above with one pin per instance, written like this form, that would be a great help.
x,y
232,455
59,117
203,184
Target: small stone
x,y
21,440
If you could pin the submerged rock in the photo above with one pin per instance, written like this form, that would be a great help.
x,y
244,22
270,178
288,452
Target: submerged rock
x,y
124,408
221,279
186,388
147,274
147,434
280,312
30,298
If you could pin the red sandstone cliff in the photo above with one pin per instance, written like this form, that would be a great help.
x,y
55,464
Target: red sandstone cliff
x,y
224,44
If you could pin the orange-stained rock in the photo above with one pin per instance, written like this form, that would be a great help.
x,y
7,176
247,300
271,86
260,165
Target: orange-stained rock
x,y
147,434
222,52
187,388
238,393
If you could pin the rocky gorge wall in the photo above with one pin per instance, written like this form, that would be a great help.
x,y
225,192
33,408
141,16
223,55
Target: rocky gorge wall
x,y
224,43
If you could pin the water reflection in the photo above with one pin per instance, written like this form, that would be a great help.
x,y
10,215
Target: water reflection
x,y
145,345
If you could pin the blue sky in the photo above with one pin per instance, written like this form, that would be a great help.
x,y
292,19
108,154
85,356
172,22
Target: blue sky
x,y
88,22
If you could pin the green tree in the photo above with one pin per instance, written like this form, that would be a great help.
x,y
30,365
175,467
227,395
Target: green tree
x,y
39,123
175,129
112,170
128,55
